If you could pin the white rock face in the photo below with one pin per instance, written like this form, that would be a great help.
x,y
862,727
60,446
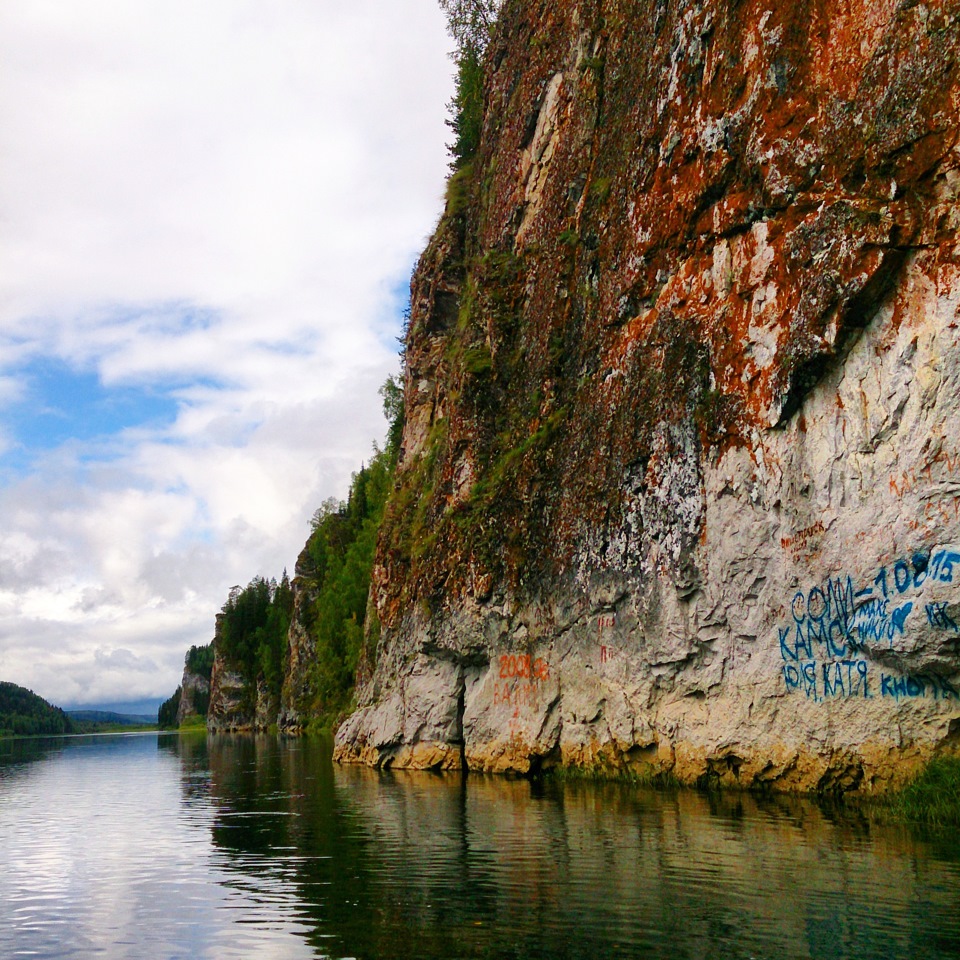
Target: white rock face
x,y
192,688
809,637
734,295
230,700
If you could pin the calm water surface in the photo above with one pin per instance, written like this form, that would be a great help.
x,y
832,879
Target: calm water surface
x,y
159,847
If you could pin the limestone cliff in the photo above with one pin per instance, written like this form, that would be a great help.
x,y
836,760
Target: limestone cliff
x,y
237,702
229,694
194,695
680,478
301,648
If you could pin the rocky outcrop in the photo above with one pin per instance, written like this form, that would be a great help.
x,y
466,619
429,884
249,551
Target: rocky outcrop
x,y
680,479
233,701
229,708
194,695
297,690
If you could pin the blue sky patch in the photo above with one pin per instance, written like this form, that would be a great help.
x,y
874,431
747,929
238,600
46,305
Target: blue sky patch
x,y
391,327
61,404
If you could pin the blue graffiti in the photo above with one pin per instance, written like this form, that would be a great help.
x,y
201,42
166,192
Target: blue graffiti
x,y
822,618
937,616
875,622
904,687
833,679
803,677
827,623
833,625
914,573
833,620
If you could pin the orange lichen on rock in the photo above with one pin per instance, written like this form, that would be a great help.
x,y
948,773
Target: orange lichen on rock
x,y
697,315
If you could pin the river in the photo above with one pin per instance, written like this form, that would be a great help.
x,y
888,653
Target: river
x,y
165,846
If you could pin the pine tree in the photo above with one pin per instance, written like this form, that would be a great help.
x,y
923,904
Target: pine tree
x,y
470,23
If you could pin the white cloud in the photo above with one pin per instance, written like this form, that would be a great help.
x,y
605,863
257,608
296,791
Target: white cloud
x,y
218,200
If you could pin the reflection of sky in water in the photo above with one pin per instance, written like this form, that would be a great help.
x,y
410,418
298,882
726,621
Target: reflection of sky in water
x,y
102,857
257,848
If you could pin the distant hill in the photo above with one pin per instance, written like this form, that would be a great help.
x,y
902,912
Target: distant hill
x,y
108,716
139,708
22,712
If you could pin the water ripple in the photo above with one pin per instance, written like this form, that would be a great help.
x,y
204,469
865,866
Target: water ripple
x,y
227,848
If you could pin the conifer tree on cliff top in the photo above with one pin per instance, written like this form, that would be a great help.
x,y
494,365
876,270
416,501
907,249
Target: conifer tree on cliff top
x,y
470,22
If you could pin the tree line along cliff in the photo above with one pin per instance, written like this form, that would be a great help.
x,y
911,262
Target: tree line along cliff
x,y
286,654
676,484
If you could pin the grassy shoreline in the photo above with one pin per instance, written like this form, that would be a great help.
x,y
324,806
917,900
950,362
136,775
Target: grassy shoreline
x,y
931,798
191,724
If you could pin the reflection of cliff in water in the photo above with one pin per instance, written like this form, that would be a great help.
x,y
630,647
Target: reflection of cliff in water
x,y
277,821
381,864
663,874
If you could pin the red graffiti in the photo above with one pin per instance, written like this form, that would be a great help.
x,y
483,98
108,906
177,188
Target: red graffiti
x,y
523,667
516,695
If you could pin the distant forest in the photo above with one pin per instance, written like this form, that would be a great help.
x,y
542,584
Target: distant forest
x,y
23,713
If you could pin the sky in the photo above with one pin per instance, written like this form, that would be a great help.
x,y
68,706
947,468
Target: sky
x,y
209,213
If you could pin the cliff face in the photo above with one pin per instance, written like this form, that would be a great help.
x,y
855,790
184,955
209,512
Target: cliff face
x,y
680,478
194,695
229,693
301,649
236,703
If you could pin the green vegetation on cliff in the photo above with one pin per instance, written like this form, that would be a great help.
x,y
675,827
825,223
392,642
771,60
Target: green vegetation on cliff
x,y
325,607
198,661
470,23
337,564
466,107
253,631
334,573
23,713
